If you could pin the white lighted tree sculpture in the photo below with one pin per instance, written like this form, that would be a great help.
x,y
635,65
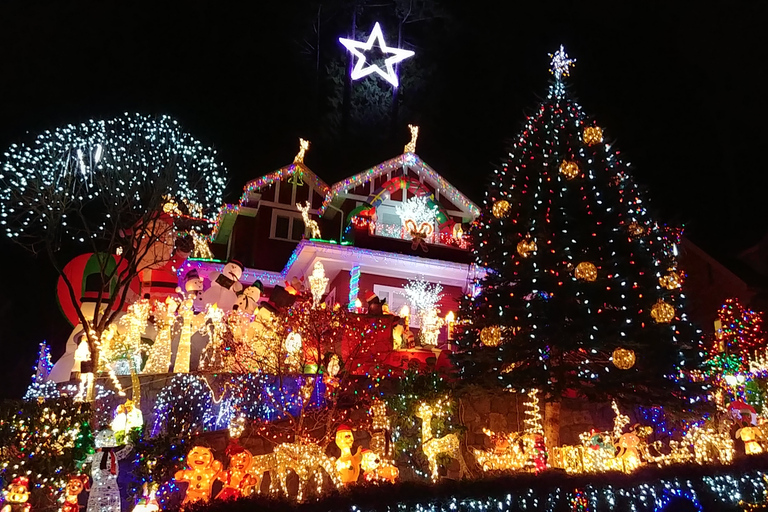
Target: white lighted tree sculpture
x,y
423,298
108,185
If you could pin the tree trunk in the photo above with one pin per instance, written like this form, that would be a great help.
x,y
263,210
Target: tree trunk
x,y
552,424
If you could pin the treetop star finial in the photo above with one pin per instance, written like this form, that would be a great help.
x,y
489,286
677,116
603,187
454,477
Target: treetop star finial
x,y
358,48
560,64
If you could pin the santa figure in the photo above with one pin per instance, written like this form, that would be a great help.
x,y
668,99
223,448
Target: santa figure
x,y
224,286
161,254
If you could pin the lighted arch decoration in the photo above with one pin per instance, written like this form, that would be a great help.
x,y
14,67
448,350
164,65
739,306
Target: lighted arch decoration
x,y
415,188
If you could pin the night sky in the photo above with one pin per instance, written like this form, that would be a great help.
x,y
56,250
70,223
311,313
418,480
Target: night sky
x,y
679,90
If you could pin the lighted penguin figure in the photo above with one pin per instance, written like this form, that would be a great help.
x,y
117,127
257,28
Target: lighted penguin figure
x,y
224,286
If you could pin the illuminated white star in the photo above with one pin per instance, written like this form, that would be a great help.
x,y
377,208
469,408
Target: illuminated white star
x,y
358,48
560,63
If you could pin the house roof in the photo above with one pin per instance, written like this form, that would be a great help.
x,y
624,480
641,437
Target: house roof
x,y
227,212
406,160
707,284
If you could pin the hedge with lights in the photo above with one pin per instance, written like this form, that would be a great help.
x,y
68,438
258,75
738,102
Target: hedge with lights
x,y
710,488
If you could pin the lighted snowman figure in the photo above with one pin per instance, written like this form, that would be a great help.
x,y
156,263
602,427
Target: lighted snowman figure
x,y
248,301
224,286
193,286
105,494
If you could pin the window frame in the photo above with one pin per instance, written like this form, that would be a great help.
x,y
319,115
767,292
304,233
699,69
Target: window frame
x,y
383,291
292,218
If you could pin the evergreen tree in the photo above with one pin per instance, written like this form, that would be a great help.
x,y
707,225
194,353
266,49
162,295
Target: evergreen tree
x,y
41,386
580,278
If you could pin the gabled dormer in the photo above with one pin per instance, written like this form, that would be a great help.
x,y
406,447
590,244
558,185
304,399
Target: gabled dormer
x,y
370,206
264,228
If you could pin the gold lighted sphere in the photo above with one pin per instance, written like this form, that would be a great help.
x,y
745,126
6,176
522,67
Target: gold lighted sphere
x,y
623,358
593,135
501,208
635,229
525,247
569,169
662,312
490,336
585,271
670,281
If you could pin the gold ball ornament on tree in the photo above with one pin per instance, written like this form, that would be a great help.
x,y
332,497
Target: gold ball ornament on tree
x,y
593,135
623,358
671,280
635,229
569,169
526,247
585,271
500,208
662,313
490,336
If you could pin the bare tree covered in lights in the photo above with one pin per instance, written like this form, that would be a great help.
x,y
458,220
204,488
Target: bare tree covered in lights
x,y
583,296
109,187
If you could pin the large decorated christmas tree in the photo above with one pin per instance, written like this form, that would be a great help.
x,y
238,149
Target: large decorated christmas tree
x,y
582,296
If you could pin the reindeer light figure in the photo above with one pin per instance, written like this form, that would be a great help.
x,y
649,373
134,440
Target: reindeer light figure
x,y
303,148
305,459
434,446
411,146
310,224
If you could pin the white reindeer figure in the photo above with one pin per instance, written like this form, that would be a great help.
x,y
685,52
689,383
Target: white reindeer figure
x,y
310,224
411,146
434,446
303,147
307,460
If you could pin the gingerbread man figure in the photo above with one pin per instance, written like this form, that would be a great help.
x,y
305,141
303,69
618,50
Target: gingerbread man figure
x,y
237,479
201,473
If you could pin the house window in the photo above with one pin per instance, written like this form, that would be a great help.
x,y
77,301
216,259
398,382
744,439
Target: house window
x,y
286,226
395,300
